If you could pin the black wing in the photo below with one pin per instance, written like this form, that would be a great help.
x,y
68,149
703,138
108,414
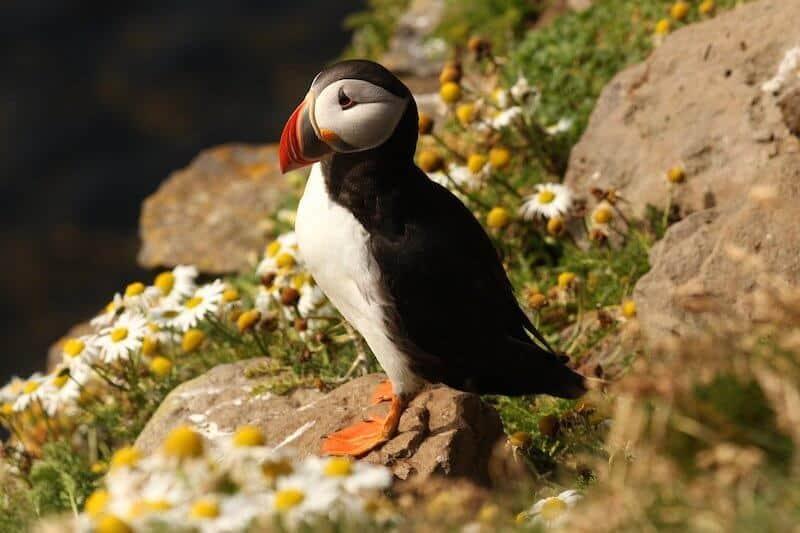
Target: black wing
x,y
452,308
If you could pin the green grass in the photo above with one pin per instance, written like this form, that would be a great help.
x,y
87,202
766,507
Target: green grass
x,y
575,57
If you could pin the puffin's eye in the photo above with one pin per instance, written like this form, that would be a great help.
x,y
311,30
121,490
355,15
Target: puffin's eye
x,y
345,102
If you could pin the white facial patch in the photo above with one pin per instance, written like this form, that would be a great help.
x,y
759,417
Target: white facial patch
x,y
368,121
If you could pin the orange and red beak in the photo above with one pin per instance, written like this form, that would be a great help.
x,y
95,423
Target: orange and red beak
x,y
300,145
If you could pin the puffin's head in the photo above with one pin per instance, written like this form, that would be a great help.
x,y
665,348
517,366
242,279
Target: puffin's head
x,y
352,106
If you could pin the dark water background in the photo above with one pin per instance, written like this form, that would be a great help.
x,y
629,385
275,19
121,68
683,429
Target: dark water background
x,y
99,101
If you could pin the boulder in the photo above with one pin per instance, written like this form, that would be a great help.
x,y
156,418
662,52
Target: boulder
x,y
705,262
701,101
720,99
443,431
213,214
411,54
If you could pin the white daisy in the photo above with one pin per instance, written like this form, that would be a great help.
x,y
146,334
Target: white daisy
x,y
173,286
280,256
61,391
500,98
124,337
303,497
228,514
463,177
506,117
352,476
563,124
550,200
522,90
109,313
83,347
32,391
11,390
552,511
206,300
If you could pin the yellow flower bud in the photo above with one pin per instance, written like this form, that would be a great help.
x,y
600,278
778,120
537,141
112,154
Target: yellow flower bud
x,y
430,161
465,113
628,308
230,295
192,339
602,215
425,123
707,7
555,226
160,366
499,157
450,92
679,10
676,174
520,439
498,218
149,345
663,27
566,279
476,162
247,320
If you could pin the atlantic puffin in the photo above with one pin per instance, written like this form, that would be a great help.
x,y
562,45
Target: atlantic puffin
x,y
402,258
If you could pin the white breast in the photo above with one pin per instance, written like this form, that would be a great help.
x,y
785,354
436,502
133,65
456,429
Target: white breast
x,y
334,246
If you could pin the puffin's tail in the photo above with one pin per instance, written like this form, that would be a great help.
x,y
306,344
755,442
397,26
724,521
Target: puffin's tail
x,y
521,368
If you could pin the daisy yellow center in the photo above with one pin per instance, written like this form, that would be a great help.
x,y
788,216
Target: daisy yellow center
x,y
545,196
287,498
60,381
476,162
183,442
127,456
205,509
338,467
112,524
273,248
119,334
249,436
284,260
230,295
134,289
31,387
552,508
96,502
73,347
164,282
142,507
299,280
7,409
191,303
275,469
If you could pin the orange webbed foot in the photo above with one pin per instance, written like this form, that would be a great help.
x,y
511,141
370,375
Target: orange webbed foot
x,y
363,437
383,392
